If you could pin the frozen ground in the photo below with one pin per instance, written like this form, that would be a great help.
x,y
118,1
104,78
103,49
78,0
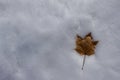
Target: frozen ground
x,y
37,39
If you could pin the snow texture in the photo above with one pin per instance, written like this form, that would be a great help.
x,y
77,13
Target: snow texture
x,y
37,39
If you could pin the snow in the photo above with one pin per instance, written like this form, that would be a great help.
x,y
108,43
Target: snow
x,y
37,39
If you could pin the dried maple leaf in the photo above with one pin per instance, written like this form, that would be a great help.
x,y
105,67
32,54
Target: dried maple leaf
x,y
85,46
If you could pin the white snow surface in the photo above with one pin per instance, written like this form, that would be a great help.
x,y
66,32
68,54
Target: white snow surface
x,y
37,39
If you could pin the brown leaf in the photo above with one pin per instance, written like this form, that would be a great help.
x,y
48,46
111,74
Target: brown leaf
x,y
85,46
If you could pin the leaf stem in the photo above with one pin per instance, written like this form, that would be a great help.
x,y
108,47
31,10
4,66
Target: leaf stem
x,y
83,61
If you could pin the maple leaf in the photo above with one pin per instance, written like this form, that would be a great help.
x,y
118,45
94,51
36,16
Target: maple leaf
x,y
85,46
